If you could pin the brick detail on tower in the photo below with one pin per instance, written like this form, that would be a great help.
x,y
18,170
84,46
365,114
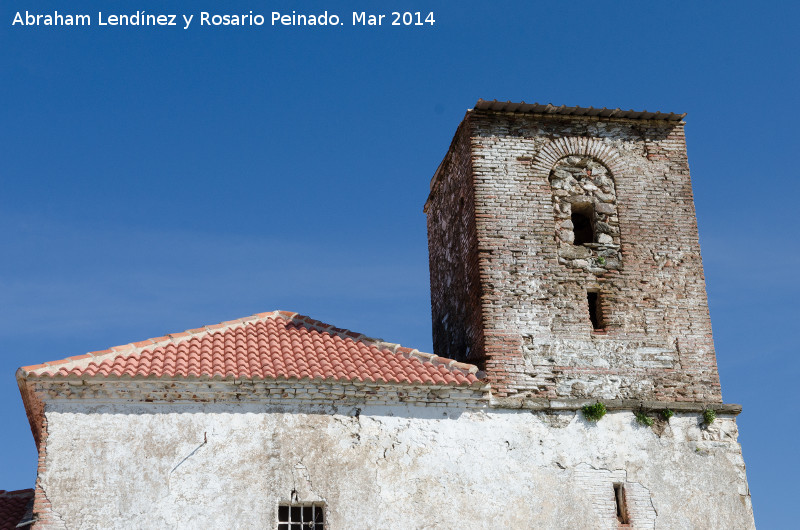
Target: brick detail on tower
x,y
509,285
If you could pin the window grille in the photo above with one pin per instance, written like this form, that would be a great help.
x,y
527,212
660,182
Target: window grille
x,y
301,516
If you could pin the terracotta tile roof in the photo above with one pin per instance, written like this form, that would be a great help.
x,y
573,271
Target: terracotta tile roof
x,y
13,506
548,108
277,345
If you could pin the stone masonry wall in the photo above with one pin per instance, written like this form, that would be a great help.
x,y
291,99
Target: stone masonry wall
x,y
116,464
582,184
537,336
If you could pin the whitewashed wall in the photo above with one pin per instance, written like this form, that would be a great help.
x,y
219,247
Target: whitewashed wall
x,y
227,466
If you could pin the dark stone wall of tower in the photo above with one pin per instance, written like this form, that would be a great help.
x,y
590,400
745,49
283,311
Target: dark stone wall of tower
x,y
535,336
452,250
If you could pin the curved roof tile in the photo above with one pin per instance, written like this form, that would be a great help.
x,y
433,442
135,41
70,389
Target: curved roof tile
x,y
277,345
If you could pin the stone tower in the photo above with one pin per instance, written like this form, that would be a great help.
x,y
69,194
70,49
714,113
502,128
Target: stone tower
x,y
564,255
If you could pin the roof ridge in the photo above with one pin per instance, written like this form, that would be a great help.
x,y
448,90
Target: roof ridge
x,y
548,108
132,348
16,492
381,344
136,348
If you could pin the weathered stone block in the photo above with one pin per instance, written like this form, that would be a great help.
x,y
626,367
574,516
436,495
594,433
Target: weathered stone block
x,y
574,252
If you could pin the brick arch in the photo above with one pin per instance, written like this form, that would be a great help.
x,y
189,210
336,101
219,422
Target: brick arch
x,y
577,145
603,254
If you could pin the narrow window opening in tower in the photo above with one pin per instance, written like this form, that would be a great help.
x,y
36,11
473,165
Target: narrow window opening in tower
x,y
619,499
595,314
582,224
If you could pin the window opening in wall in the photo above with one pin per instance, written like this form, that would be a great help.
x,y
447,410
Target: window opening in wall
x,y
582,224
595,314
619,499
301,516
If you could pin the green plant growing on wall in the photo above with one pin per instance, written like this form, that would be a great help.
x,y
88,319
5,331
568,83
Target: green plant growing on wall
x,y
709,416
601,260
594,412
643,419
667,414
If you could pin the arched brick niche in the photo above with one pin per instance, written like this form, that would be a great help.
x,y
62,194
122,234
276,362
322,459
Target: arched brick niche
x,y
581,175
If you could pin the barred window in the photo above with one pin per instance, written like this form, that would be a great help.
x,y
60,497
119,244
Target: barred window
x,y
301,516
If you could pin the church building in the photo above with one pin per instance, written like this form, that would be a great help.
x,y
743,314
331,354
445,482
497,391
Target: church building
x,y
573,382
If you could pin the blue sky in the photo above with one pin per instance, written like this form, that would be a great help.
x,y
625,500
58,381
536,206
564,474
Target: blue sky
x,y
157,179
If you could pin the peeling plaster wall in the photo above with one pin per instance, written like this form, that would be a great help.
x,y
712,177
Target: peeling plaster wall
x,y
228,465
